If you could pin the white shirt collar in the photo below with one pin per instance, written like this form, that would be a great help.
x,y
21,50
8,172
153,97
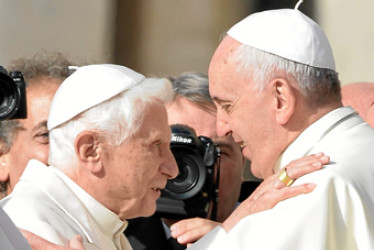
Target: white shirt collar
x,y
76,202
311,136
109,222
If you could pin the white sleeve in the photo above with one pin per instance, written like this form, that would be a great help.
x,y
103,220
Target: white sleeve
x,y
10,236
34,219
333,216
215,239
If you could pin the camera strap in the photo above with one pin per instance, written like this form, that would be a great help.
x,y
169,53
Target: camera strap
x,y
215,198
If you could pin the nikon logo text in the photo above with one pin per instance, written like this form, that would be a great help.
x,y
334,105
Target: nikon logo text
x,y
181,139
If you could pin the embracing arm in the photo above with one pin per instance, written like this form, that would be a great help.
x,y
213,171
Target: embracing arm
x,y
38,243
265,197
272,190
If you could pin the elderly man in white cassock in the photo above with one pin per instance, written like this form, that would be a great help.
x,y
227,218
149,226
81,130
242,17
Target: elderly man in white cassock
x,y
274,83
109,157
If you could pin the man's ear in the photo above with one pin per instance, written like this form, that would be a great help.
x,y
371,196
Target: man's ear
x,y
284,100
4,168
87,148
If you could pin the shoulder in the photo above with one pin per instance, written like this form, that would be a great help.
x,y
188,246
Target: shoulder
x,y
34,211
25,203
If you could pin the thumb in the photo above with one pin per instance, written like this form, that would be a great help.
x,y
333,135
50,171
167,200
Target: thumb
x,y
77,242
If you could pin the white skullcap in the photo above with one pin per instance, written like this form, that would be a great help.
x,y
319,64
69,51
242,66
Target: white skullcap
x,y
287,33
87,87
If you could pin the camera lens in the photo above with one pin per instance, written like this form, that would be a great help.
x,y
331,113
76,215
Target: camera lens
x,y
191,193
9,96
188,174
191,175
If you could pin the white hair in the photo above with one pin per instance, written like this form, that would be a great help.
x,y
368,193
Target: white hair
x,y
116,119
318,85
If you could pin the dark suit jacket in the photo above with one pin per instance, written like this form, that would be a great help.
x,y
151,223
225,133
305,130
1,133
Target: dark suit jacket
x,y
149,234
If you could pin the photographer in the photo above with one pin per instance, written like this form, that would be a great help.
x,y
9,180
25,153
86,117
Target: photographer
x,y
360,96
23,132
193,106
25,139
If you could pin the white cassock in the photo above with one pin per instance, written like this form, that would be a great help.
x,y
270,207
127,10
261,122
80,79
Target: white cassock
x,y
48,203
10,236
337,215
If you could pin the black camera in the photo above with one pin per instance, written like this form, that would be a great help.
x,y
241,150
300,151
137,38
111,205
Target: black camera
x,y
194,190
12,95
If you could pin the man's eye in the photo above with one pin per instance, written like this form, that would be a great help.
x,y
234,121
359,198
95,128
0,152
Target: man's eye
x,y
157,144
43,134
224,153
42,138
226,107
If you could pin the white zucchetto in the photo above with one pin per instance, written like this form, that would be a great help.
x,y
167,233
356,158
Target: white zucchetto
x,y
87,87
287,33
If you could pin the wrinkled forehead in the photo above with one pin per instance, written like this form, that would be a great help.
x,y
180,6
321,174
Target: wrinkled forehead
x,y
155,119
224,77
225,52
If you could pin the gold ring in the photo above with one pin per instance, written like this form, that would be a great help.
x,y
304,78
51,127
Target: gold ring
x,y
283,177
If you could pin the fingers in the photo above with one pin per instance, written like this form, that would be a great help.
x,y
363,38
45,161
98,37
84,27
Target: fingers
x,y
303,166
272,190
77,243
306,165
191,230
263,198
182,226
290,192
38,243
30,237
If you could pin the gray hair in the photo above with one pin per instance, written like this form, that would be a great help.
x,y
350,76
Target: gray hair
x,y
194,87
40,65
319,86
116,119
43,64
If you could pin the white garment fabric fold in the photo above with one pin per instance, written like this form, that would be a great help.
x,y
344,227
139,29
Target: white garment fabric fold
x,y
338,214
10,236
49,204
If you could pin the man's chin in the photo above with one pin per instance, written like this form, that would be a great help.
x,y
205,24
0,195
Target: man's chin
x,y
149,210
246,153
256,171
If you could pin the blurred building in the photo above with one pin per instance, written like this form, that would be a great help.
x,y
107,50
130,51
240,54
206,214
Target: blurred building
x,y
167,37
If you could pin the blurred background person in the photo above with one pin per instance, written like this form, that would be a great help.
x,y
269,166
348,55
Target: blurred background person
x,y
25,139
360,96
193,106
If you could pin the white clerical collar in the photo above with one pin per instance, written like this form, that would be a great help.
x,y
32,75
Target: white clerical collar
x,y
108,222
303,144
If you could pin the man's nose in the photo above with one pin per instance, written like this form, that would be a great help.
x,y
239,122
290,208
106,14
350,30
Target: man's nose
x,y
170,168
223,128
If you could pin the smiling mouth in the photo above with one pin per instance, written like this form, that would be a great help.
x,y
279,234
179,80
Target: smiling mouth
x,y
242,145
